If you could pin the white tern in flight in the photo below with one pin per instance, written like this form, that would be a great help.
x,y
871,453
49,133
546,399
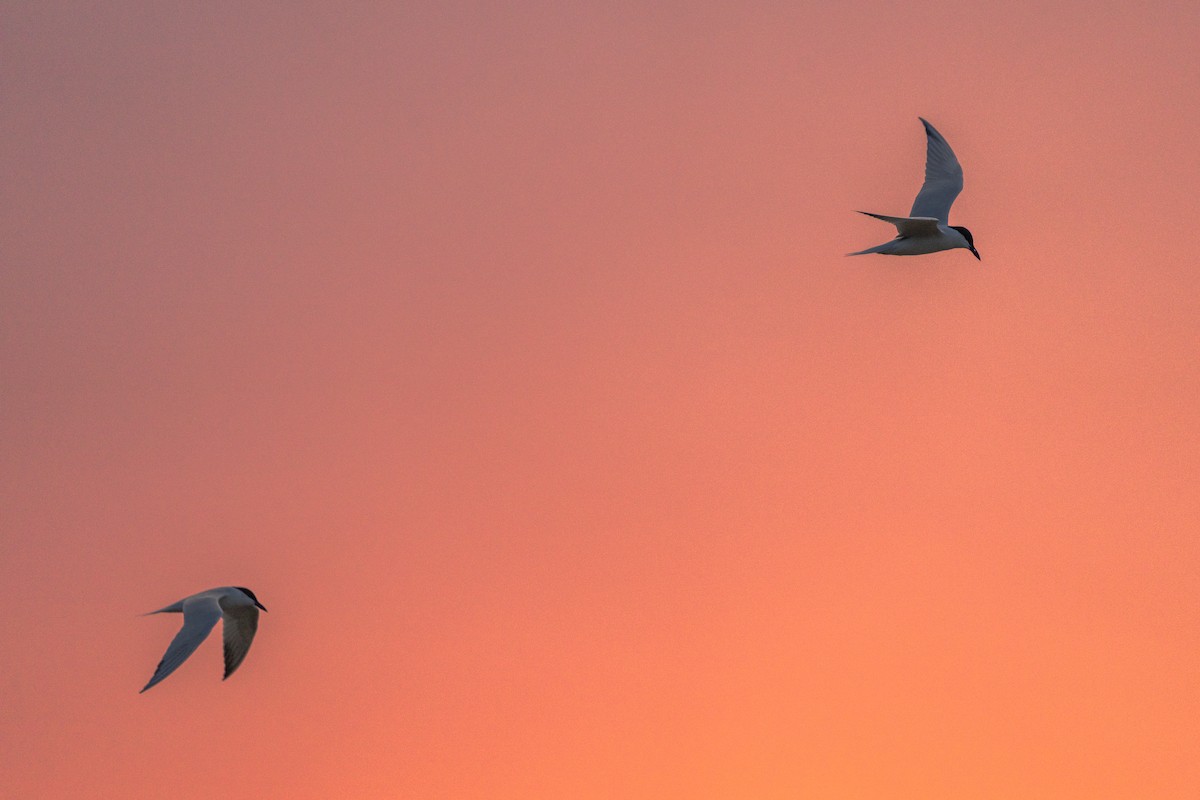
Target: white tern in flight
x,y
926,229
236,605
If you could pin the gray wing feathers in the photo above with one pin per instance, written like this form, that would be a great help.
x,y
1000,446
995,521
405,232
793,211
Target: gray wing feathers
x,y
943,178
909,226
199,617
240,626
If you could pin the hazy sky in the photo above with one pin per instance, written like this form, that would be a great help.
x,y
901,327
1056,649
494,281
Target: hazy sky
x,y
509,354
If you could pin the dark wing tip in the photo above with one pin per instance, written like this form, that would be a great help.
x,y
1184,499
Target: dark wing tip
x,y
154,679
930,130
232,666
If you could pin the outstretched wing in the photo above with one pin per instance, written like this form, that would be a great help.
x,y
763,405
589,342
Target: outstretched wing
x,y
909,226
943,178
241,623
199,616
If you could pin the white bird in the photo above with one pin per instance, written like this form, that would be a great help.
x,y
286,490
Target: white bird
x,y
926,229
236,605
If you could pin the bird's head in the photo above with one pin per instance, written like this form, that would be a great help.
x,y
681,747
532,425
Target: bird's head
x,y
250,594
966,234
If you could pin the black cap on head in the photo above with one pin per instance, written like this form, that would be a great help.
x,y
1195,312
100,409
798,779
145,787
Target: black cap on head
x,y
966,235
970,239
250,594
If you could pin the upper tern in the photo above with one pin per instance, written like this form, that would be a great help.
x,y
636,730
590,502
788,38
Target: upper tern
x,y
926,229
236,605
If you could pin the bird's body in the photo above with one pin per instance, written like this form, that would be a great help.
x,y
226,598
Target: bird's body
x,y
927,228
237,606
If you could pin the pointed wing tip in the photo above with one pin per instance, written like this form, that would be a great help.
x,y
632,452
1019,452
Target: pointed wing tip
x,y
231,666
233,662
155,679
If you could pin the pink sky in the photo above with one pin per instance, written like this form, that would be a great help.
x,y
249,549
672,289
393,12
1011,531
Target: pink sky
x,y
510,356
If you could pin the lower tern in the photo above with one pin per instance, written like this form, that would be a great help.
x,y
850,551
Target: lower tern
x,y
926,229
236,605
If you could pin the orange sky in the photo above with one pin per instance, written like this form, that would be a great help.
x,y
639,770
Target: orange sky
x,y
510,356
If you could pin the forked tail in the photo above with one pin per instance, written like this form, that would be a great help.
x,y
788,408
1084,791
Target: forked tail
x,y
174,608
879,248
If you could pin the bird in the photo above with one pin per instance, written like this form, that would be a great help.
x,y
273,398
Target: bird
x,y
927,228
236,605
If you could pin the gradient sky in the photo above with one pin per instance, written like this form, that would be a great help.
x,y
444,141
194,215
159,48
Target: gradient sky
x,y
509,354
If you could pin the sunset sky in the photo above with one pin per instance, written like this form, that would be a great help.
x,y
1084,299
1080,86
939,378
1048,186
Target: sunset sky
x,y
509,353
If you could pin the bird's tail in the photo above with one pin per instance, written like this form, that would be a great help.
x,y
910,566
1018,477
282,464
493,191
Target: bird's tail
x,y
176,608
879,248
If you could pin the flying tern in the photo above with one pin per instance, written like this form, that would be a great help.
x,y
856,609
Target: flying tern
x,y
926,229
236,605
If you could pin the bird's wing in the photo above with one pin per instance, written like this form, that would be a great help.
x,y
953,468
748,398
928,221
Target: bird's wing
x,y
909,226
241,623
943,178
199,616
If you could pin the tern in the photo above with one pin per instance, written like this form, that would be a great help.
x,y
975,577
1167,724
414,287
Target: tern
x,y
235,604
927,229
